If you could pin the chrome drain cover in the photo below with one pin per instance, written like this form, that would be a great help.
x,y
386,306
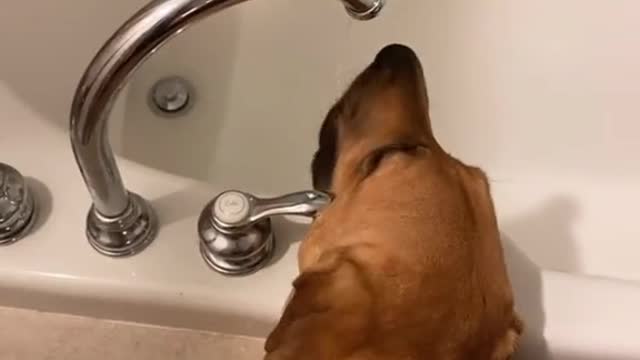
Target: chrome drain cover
x,y
171,96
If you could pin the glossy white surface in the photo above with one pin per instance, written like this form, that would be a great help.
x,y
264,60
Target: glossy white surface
x,y
542,95
542,98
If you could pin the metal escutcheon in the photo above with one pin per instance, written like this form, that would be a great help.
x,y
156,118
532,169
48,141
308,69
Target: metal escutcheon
x,y
17,206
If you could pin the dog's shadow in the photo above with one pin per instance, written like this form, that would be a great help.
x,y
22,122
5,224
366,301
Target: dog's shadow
x,y
526,279
545,233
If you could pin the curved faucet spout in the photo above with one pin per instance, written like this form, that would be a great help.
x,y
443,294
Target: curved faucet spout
x,y
119,220
107,74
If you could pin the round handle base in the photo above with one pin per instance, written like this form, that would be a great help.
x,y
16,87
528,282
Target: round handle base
x,y
239,267
21,228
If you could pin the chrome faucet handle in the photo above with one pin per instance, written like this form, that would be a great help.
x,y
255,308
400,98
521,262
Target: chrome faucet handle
x,y
236,236
233,209
17,206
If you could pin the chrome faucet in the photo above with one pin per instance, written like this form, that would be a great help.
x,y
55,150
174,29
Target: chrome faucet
x,y
121,223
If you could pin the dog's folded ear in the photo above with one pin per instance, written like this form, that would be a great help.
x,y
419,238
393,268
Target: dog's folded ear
x,y
324,161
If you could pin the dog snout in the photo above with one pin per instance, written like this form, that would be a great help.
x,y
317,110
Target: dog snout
x,y
396,57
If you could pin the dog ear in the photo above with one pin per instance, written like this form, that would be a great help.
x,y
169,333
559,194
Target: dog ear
x,y
288,340
508,343
324,160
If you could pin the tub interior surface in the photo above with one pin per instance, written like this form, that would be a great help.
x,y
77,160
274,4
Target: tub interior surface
x,y
543,100
542,95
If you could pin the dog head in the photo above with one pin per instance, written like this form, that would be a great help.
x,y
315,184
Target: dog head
x,y
385,107
408,253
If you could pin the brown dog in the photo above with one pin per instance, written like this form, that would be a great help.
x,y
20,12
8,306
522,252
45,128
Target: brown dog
x,y
406,263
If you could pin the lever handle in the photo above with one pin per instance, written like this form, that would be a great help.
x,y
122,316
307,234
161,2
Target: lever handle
x,y
233,209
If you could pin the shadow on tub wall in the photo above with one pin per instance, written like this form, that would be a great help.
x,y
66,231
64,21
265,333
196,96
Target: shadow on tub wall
x,y
545,233
549,226
526,279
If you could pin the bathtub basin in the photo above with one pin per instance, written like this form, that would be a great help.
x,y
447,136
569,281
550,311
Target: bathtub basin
x,y
551,121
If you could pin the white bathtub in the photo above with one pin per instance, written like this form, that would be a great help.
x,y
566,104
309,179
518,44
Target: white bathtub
x,y
542,95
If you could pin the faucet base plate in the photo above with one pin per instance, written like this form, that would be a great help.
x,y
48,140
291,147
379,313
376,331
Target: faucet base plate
x,y
18,211
126,234
242,267
7,238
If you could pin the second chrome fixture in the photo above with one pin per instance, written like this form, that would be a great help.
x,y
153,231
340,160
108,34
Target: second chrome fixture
x,y
236,237
121,223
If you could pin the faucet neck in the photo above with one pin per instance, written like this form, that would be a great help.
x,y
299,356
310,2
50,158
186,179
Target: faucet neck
x,y
121,223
